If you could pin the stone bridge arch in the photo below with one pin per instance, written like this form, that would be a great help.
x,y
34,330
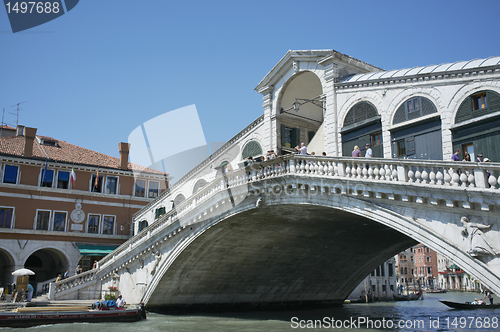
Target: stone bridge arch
x,y
281,249
413,201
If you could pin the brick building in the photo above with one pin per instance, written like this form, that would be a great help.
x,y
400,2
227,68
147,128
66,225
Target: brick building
x,y
50,224
425,261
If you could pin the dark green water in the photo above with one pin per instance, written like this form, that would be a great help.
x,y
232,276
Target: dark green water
x,y
426,315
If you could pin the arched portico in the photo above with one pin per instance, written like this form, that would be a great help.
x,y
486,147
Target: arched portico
x,y
47,263
300,106
7,264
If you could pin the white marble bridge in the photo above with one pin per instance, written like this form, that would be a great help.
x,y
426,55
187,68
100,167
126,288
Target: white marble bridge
x,y
300,230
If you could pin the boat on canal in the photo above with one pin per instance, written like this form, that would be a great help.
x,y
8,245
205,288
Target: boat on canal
x,y
470,305
409,297
34,316
435,290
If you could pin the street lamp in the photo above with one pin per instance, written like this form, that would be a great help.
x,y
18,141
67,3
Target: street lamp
x,y
122,226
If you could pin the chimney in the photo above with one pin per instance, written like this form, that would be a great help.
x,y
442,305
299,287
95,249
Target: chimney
x,y
29,138
124,149
20,130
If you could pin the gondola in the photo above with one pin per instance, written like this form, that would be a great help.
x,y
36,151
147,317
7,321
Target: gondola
x,y
469,305
410,297
47,315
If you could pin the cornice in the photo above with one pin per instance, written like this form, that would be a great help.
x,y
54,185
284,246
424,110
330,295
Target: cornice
x,y
463,74
286,63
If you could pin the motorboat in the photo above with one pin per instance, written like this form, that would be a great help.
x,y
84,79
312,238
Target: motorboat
x,y
436,290
33,316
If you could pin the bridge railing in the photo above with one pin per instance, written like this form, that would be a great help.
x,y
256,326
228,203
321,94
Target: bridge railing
x,y
73,281
465,175
205,163
426,172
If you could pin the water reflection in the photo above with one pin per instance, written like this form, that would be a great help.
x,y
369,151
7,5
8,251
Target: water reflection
x,y
426,312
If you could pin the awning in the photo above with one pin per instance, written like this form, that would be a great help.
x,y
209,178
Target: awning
x,y
90,250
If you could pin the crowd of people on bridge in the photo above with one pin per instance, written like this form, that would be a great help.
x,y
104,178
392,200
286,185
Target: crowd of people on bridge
x,y
356,152
479,158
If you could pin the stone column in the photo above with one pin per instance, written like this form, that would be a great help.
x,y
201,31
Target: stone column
x,y
330,119
270,132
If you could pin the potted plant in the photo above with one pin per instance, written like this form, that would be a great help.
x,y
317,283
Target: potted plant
x,y
111,293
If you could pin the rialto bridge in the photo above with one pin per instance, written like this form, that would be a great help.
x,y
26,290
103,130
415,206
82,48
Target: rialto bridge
x,y
302,229
307,229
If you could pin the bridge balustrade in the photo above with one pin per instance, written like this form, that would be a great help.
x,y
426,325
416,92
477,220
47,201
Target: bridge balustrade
x,y
74,281
413,172
439,174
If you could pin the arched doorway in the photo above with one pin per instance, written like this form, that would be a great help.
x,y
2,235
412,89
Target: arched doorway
x,y
47,264
6,268
476,129
417,139
362,126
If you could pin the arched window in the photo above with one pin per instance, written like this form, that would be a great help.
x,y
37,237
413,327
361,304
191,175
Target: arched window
x,y
142,224
223,168
179,199
160,212
252,149
360,112
413,108
198,185
478,104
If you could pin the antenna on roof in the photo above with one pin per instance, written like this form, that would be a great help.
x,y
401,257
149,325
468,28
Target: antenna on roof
x,y
17,112
2,124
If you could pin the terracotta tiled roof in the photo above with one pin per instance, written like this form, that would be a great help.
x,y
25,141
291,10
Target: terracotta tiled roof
x,y
7,127
66,153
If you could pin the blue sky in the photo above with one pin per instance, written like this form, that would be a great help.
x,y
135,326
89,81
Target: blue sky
x,y
94,74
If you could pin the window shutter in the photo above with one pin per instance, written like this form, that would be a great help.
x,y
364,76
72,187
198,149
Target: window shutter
x,y
283,134
464,112
492,101
295,137
310,135
410,145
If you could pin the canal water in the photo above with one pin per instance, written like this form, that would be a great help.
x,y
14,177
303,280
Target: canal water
x,y
425,315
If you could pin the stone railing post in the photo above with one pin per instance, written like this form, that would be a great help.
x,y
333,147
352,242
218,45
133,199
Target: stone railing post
x,y
52,291
402,173
292,166
341,168
480,178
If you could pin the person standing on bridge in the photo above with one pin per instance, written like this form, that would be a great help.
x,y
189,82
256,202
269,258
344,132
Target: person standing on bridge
x,y
455,156
302,149
369,152
356,152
